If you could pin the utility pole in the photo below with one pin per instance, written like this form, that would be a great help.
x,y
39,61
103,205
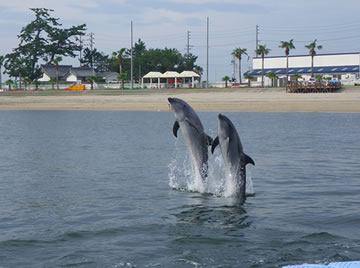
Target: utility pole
x,y
257,37
92,42
188,44
132,60
207,52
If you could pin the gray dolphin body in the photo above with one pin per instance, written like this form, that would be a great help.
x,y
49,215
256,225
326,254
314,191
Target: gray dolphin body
x,y
232,152
193,132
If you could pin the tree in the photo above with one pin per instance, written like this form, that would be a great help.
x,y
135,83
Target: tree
x,y
9,83
249,77
288,46
56,61
1,63
296,76
52,82
27,82
319,77
122,77
262,50
238,52
36,83
199,70
272,76
312,52
120,56
42,39
96,60
226,79
92,79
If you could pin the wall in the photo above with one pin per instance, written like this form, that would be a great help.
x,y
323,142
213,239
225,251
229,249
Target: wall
x,y
305,61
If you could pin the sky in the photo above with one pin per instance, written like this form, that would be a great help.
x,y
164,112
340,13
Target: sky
x,y
165,23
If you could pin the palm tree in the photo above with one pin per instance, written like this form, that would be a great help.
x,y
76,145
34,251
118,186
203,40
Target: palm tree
x,y
262,50
92,79
1,63
120,55
272,76
249,77
238,52
36,83
199,70
287,45
56,61
52,81
27,82
9,83
226,79
296,76
312,47
122,77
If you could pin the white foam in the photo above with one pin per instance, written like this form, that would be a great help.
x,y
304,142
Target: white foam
x,y
184,176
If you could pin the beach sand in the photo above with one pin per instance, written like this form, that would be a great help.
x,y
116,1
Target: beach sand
x,y
251,100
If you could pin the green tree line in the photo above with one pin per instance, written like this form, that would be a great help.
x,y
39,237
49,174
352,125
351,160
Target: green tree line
x,y
45,41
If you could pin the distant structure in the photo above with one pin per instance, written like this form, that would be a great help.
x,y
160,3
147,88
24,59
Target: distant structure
x,y
341,66
67,73
171,79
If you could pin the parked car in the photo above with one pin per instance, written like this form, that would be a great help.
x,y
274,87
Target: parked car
x,y
333,81
311,81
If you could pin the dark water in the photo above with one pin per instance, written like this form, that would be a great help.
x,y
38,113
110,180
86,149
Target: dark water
x,y
91,189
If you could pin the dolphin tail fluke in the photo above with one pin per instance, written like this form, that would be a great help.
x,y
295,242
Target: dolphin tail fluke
x,y
214,144
248,160
175,128
209,140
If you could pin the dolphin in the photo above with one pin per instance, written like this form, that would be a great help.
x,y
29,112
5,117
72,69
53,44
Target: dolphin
x,y
193,132
232,152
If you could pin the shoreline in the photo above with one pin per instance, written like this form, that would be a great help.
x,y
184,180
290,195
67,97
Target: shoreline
x,y
230,100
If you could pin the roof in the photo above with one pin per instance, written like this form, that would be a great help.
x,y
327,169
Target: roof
x,y
106,74
50,70
153,75
307,55
170,74
307,70
81,71
188,74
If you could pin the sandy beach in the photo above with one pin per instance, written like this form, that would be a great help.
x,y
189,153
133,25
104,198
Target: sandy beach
x,y
252,100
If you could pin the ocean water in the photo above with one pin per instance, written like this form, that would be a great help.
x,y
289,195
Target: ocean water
x,y
115,189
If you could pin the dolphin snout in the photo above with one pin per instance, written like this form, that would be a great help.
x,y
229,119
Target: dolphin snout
x,y
170,99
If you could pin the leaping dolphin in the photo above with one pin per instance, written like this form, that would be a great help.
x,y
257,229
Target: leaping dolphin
x,y
193,132
232,152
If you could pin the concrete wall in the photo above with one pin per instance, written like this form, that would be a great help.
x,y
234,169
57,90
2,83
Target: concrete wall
x,y
305,61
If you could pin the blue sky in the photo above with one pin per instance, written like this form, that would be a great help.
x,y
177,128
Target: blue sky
x,y
160,23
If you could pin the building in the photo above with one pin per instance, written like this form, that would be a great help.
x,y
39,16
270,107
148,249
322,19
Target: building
x,y
341,66
67,73
108,76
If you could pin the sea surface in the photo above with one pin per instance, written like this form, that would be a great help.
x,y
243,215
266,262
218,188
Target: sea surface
x,y
115,189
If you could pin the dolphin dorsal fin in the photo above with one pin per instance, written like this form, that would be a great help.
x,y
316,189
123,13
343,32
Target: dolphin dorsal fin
x,y
248,160
175,128
214,144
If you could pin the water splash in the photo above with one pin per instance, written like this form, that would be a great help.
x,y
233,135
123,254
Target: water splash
x,y
183,175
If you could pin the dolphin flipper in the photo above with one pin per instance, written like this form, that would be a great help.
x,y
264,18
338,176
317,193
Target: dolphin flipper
x,y
175,128
248,160
209,140
214,144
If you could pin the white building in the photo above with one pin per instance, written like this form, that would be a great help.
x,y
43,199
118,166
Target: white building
x,y
66,73
342,66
